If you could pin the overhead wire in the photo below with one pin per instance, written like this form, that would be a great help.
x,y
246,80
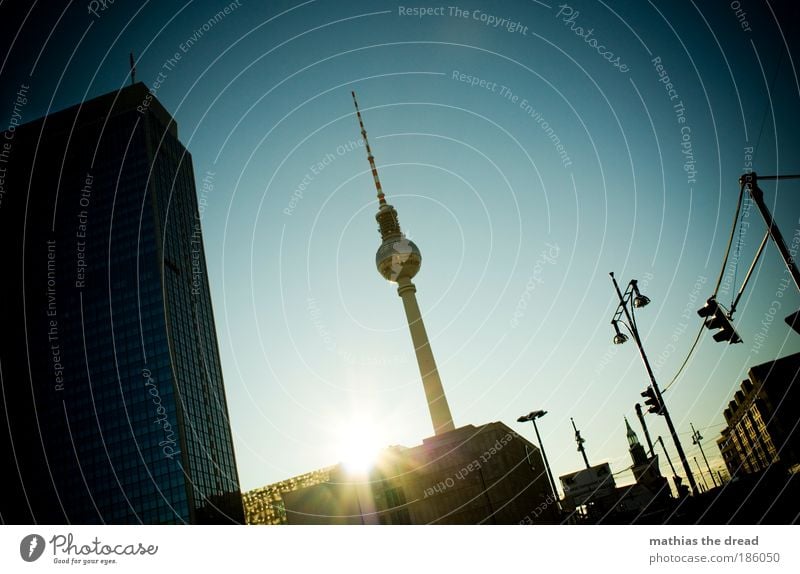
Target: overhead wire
x,y
686,360
772,87
738,253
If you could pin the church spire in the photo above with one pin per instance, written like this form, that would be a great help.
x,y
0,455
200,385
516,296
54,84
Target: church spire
x,y
638,456
633,440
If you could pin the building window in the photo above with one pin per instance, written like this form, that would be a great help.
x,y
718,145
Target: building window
x,y
395,497
400,516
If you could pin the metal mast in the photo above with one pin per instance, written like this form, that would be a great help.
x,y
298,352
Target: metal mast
x,y
580,440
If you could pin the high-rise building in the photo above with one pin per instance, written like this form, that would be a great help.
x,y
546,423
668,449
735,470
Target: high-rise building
x,y
113,405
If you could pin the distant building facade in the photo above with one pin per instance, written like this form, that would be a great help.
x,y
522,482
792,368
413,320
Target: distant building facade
x,y
587,486
591,495
645,469
113,407
265,505
472,475
762,419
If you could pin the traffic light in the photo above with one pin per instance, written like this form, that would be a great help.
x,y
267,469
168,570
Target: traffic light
x,y
793,321
683,490
651,401
715,318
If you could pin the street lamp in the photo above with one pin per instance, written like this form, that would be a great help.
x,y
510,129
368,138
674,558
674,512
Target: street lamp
x,y
639,300
632,294
532,416
696,439
620,337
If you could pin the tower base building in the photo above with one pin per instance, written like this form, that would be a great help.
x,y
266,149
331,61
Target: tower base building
x,y
472,475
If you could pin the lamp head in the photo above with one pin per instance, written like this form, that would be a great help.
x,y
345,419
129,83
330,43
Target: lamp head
x,y
531,416
639,300
620,337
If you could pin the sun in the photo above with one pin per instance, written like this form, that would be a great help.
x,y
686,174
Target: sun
x,y
358,444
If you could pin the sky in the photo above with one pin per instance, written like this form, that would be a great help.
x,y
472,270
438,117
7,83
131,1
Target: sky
x,y
530,148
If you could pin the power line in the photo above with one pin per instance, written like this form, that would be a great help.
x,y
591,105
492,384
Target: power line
x,y
710,427
730,241
716,288
686,360
738,254
770,89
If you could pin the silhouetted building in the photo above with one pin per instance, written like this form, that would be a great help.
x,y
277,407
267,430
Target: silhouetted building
x,y
645,469
113,405
471,475
762,419
343,499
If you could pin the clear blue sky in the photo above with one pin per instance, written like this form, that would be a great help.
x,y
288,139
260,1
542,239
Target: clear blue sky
x,y
313,340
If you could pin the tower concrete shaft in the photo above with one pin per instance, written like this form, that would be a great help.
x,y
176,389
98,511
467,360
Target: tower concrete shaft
x,y
398,260
434,392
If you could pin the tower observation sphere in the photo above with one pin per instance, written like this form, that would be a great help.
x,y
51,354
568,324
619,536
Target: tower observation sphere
x,y
397,259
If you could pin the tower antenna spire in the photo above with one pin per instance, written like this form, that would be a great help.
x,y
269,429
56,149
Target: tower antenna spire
x,y
370,157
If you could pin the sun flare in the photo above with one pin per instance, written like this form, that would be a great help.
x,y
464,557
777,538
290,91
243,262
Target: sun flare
x,y
359,441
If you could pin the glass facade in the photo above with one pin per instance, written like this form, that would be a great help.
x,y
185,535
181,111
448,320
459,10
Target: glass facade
x,y
118,378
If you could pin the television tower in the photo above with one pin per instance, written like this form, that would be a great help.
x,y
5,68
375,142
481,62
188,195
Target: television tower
x,y
398,260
